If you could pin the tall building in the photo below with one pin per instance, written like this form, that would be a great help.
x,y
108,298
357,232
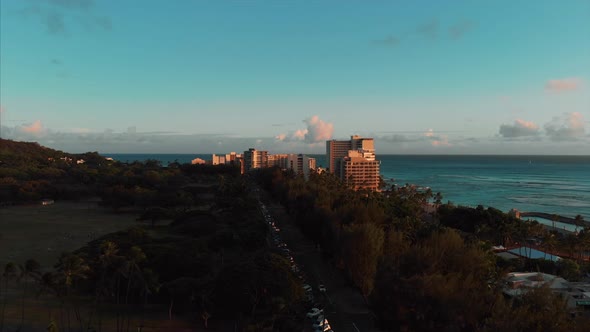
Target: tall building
x,y
335,151
367,145
255,159
353,161
360,172
225,159
299,163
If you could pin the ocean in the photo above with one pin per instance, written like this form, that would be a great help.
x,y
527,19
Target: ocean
x,y
550,184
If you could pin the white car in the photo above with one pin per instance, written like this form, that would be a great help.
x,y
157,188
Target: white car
x,y
314,312
324,326
322,288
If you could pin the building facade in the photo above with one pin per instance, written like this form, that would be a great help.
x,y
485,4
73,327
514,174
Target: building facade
x,y
354,162
335,151
299,163
255,159
360,172
252,159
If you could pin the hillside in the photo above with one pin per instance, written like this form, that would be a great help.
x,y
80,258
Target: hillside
x,y
13,153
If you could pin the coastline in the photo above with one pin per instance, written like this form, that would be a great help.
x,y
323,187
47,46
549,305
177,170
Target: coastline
x,y
548,216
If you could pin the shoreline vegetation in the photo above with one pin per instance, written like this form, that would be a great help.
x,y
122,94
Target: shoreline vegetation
x,y
199,255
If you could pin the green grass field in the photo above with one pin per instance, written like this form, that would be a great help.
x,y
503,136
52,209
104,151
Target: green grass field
x,y
44,232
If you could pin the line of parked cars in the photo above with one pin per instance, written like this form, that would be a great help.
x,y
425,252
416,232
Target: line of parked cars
x,y
279,244
316,314
318,322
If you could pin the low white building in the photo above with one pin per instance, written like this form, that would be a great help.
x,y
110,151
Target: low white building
x,y
577,294
518,283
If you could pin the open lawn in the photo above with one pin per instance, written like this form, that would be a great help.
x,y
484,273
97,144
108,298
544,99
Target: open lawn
x,y
44,232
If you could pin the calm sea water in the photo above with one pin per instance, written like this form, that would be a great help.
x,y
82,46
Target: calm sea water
x,y
551,184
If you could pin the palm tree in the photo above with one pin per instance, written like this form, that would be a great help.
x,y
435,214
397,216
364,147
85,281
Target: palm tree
x,y
107,259
554,219
71,268
31,269
583,243
549,243
108,256
130,270
10,272
438,199
570,244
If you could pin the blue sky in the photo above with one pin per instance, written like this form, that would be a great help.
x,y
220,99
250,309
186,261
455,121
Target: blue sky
x,y
193,76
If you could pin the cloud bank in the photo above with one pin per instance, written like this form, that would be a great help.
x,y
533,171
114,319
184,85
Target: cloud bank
x,y
569,126
520,128
429,136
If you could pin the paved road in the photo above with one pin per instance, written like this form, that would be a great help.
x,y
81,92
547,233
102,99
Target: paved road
x,y
346,308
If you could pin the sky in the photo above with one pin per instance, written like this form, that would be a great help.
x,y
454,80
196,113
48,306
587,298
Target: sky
x,y
204,76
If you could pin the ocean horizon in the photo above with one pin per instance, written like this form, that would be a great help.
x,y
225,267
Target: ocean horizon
x,y
530,183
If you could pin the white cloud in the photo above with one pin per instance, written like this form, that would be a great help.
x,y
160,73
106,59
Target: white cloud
x,y
35,129
520,128
428,137
317,131
569,126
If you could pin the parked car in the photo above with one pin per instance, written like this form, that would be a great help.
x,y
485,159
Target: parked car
x,y
322,326
314,312
322,288
326,328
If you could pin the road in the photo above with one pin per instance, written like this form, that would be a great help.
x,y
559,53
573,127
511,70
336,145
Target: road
x,y
345,307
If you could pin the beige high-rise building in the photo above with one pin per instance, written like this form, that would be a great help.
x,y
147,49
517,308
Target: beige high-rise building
x,y
255,159
353,161
360,172
299,163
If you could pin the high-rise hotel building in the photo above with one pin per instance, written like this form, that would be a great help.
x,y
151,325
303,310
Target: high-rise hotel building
x,y
254,159
353,161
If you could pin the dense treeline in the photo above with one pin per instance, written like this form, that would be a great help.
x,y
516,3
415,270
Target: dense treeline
x,y
210,261
215,263
30,172
417,273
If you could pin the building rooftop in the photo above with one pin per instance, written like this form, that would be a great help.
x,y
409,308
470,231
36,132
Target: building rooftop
x,y
533,254
518,283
